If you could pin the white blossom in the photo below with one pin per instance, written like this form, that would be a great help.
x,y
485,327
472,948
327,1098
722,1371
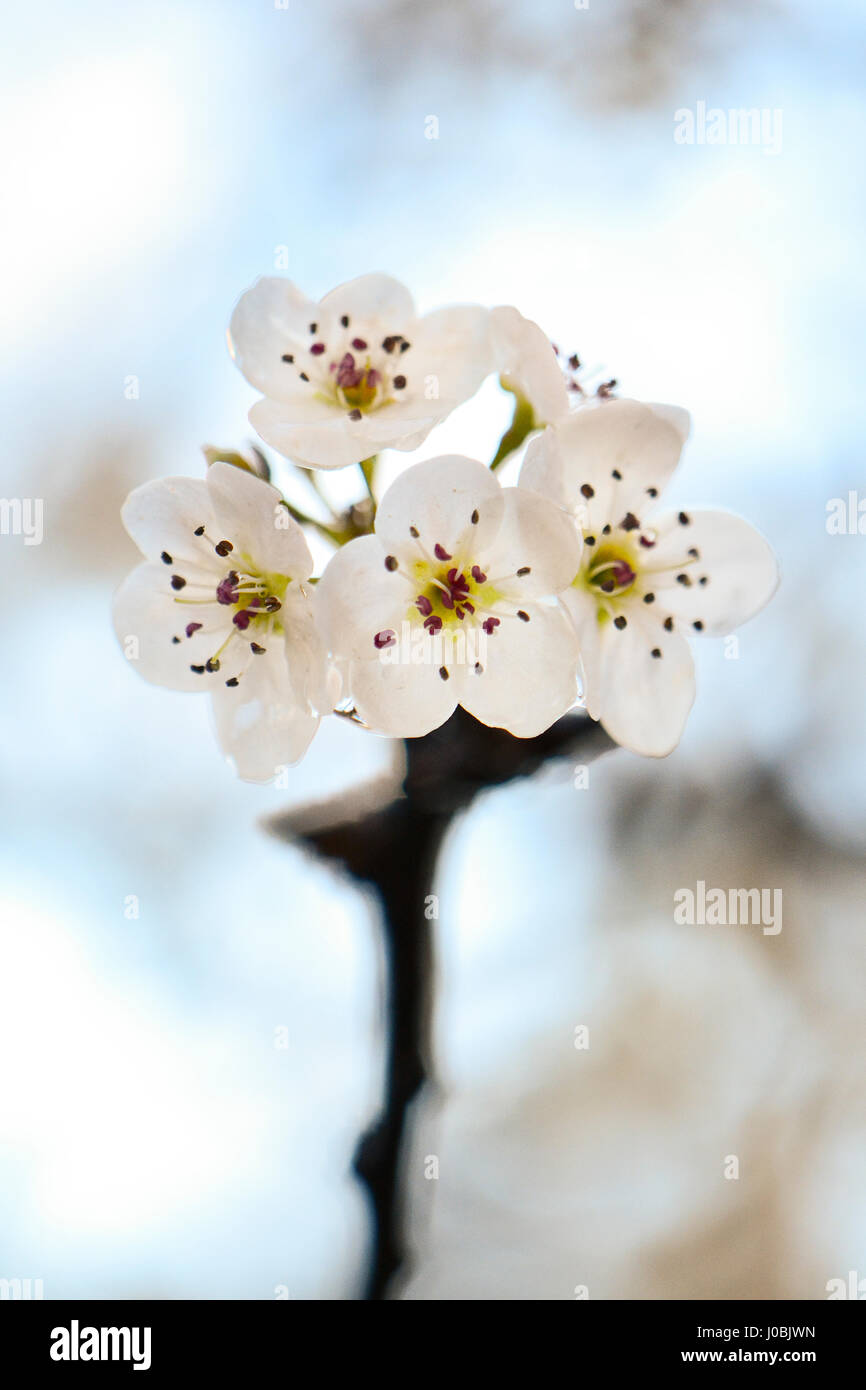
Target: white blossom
x,y
647,577
528,365
356,372
452,601
221,604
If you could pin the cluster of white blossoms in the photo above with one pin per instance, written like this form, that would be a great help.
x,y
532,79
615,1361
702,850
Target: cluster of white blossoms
x,y
515,602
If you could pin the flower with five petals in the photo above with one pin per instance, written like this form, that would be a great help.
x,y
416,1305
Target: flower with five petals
x,y
221,604
453,601
647,577
356,372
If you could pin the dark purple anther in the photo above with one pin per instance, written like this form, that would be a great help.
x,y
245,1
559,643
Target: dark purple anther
x,y
359,345
226,591
440,552
489,624
433,624
423,604
347,373
317,349
387,638
623,573
647,543
478,575
191,628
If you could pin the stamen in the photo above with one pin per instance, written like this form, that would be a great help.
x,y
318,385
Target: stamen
x,y
587,490
226,589
287,357
224,548
166,558
386,638
391,562
656,652
441,553
399,382
523,615
629,522
177,581
619,622
232,681
191,628
443,673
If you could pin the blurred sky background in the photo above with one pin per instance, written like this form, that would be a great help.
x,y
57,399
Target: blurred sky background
x,y
157,1138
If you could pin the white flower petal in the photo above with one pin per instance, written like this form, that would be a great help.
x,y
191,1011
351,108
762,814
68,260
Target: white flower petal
x,y
733,576
529,675
269,320
524,355
331,439
642,700
261,725
675,415
401,699
358,597
451,353
378,298
251,515
148,616
438,498
577,463
162,516
534,535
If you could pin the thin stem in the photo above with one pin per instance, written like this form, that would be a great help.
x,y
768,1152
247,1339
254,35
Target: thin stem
x,y
368,471
522,423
